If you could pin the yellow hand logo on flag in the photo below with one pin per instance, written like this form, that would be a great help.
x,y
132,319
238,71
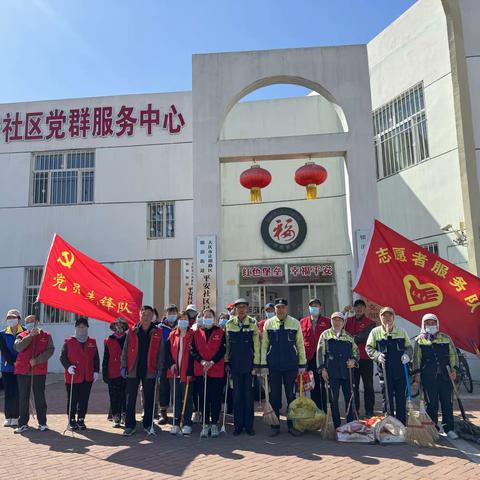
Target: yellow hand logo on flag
x,y
421,295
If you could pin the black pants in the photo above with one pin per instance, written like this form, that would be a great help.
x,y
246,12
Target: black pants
x,y
335,384
24,387
439,389
10,385
80,397
164,392
277,379
397,399
214,398
242,401
319,393
117,393
197,394
365,371
148,385
180,389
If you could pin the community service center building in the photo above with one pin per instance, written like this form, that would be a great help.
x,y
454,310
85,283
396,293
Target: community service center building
x,y
149,184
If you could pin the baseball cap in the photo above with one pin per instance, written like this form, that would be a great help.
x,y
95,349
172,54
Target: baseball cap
x,y
240,301
191,307
338,315
281,301
314,300
387,309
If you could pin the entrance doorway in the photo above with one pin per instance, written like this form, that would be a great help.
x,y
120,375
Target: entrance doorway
x,y
297,296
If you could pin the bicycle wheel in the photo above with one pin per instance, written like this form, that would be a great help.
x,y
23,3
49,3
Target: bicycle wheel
x,y
466,376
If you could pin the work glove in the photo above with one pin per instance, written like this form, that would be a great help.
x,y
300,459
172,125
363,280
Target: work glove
x,y
381,358
173,370
325,374
405,359
71,369
301,370
123,372
264,372
95,376
227,369
158,373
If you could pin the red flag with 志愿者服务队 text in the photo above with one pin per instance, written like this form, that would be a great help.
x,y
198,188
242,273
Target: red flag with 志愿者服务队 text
x,y
74,282
396,272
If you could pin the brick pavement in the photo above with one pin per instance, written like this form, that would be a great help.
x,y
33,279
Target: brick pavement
x,y
103,453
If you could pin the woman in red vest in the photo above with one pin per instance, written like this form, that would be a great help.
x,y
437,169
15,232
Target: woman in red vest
x,y
111,369
208,352
34,347
80,359
180,371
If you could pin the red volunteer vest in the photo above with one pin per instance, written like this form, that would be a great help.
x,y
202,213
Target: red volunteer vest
x,y
83,356
260,325
114,357
354,327
36,347
174,342
310,336
207,351
132,353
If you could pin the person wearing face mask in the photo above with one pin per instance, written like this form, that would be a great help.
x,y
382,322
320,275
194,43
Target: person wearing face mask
x,y
242,359
180,371
282,358
390,347
191,314
434,361
80,359
223,319
111,369
208,352
143,359
360,326
196,321
336,354
167,325
8,355
269,312
34,347
313,325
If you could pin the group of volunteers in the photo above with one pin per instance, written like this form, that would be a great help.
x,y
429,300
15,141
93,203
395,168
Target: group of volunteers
x,y
192,362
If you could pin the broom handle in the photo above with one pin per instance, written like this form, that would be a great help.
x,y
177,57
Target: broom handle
x,y
182,417
408,382
301,385
385,382
267,398
457,396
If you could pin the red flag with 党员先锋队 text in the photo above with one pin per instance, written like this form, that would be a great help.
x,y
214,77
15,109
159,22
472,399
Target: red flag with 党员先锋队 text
x,y
74,282
397,272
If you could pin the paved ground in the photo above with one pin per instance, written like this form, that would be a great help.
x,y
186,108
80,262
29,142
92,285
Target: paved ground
x,y
102,453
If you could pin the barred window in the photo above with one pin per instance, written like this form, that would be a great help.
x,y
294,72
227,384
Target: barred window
x,y
47,314
400,130
63,178
161,220
431,247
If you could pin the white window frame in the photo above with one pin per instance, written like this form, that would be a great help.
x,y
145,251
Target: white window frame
x,y
79,170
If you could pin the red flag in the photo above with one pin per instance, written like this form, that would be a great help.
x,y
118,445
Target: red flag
x,y
76,283
399,273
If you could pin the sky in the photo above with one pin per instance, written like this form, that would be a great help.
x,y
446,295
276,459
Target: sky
x,y
53,49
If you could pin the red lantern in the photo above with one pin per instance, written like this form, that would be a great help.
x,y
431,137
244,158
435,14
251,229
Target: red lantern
x,y
311,175
255,178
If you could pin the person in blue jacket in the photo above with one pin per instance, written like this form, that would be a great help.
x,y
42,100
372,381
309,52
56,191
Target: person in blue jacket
x,y
8,355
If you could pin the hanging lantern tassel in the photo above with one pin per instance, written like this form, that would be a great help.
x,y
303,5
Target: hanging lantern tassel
x,y
255,178
309,176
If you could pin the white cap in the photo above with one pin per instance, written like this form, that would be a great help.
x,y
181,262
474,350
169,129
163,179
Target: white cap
x,y
13,313
337,315
429,316
191,307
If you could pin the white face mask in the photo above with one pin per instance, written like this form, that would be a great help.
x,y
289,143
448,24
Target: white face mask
x,y
432,330
12,322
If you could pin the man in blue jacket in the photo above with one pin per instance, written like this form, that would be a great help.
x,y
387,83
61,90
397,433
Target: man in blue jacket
x,y
8,355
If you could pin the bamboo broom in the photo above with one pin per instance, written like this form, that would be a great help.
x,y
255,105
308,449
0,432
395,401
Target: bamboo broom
x,y
269,415
416,433
328,429
427,422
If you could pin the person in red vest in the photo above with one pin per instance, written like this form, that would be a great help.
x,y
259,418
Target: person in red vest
x,y
269,310
180,371
111,369
208,352
359,327
143,358
34,347
80,359
313,325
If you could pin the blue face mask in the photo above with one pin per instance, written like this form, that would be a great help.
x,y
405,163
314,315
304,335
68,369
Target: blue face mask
x,y
29,326
208,322
269,314
171,318
314,311
223,322
200,321
182,324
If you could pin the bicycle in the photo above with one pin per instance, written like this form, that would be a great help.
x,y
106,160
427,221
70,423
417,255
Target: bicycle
x,y
464,376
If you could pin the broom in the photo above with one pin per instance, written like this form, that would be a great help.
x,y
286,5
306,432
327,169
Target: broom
x,y
416,433
427,422
269,416
328,429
